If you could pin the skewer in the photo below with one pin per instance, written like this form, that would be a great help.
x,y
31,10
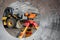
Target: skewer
x,y
23,33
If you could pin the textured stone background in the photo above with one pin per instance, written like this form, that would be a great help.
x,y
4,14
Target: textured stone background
x,y
44,6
